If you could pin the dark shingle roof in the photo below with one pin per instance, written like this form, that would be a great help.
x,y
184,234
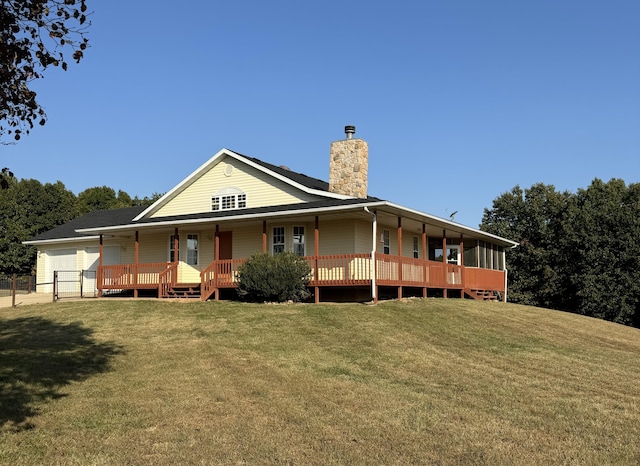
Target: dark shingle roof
x,y
99,218
299,178
107,218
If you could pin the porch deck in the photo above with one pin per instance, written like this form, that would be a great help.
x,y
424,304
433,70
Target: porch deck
x,y
347,270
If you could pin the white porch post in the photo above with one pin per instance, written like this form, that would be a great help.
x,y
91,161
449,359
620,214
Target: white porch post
x,y
374,245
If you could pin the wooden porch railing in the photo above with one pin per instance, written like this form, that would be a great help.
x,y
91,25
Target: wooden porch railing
x,y
167,279
340,270
407,271
331,270
130,276
219,274
484,279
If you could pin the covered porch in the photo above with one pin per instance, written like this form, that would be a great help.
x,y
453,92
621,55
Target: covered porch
x,y
349,270
391,254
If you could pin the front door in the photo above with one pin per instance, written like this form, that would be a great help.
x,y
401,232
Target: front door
x,y
226,250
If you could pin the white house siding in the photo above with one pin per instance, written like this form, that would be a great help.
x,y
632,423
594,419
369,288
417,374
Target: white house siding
x,y
261,189
336,237
153,247
363,241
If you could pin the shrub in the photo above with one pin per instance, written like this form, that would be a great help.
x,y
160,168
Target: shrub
x,y
281,277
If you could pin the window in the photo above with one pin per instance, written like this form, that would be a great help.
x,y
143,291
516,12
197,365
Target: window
x,y
229,198
192,249
278,240
470,253
228,202
298,240
242,201
416,249
386,241
453,254
172,251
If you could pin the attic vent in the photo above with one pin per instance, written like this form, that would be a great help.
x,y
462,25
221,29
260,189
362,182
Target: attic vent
x,y
228,170
284,167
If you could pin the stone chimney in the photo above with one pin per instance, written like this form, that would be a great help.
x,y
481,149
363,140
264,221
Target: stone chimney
x,y
348,165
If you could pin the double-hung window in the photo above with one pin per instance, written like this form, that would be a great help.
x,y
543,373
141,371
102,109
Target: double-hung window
x,y
172,250
192,249
278,240
386,242
416,250
298,240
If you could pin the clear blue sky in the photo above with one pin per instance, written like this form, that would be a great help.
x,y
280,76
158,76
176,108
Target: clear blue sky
x,y
459,100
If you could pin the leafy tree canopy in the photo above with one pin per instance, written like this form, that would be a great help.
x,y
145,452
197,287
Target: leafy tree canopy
x,y
34,35
28,208
578,252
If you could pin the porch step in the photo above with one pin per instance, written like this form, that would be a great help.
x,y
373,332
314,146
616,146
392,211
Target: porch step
x,y
185,290
483,295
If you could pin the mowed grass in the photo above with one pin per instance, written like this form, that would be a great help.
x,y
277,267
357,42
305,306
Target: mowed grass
x,y
415,382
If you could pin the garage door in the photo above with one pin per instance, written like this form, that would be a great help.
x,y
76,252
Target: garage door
x,y
61,260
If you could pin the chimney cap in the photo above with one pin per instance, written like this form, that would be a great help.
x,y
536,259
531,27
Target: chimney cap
x,y
349,131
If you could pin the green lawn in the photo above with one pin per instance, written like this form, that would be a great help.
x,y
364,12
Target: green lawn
x,y
107,382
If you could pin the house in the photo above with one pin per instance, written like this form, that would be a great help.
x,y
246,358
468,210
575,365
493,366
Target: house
x,y
193,239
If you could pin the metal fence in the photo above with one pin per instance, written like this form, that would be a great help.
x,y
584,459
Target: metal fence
x,y
74,284
21,284
63,284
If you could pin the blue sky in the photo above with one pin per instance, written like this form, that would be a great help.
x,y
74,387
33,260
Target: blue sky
x,y
459,100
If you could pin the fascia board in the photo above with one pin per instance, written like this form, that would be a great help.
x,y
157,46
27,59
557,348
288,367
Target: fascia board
x,y
169,194
60,241
452,224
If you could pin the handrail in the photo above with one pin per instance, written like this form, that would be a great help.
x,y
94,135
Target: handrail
x,y
219,274
166,279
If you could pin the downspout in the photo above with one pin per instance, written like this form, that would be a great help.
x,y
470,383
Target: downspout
x,y
506,276
373,253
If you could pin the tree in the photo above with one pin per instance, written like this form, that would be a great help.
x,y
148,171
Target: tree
x,y
28,208
5,178
530,217
605,233
98,198
34,35
578,252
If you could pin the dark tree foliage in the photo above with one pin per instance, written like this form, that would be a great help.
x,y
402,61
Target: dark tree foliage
x,y
34,35
605,233
5,178
578,252
28,208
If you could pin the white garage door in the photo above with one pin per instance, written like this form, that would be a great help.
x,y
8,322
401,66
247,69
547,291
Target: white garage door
x,y
64,260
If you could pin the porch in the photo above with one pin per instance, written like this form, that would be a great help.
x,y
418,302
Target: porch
x,y
423,277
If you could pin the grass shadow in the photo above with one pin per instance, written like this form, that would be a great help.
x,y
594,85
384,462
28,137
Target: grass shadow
x,y
38,357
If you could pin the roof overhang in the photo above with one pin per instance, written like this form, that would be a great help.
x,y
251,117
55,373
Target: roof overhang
x,y
61,240
411,219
